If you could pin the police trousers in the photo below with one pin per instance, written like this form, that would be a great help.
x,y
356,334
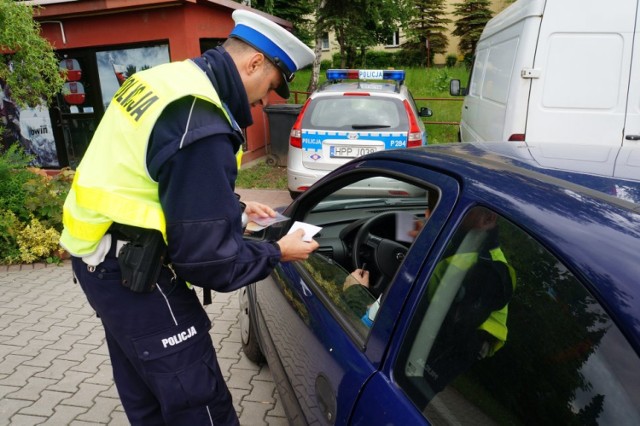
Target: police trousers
x,y
164,364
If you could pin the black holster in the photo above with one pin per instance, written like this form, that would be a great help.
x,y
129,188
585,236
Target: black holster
x,y
141,259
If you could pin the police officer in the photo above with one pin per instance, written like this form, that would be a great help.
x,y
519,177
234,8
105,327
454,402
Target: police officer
x,y
161,168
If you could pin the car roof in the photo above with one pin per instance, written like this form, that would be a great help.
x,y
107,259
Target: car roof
x,y
585,211
361,86
593,167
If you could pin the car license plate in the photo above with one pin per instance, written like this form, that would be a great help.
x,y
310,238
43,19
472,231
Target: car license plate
x,y
350,151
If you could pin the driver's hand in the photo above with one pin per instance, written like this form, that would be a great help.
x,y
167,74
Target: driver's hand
x,y
419,224
359,276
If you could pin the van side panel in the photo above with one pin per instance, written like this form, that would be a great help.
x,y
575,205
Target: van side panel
x,y
496,106
632,124
584,64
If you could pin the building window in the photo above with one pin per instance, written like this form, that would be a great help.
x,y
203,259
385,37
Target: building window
x,y
325,41
394,39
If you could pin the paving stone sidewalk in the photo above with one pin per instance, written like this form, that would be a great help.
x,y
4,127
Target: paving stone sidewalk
x,y
54,364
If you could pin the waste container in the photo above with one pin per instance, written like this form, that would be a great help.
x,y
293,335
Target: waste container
x,y
281,119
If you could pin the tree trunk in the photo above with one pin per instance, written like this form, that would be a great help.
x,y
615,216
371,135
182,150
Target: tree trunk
x,y
315,73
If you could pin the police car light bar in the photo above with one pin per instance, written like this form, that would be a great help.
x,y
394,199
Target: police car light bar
x,y
343,74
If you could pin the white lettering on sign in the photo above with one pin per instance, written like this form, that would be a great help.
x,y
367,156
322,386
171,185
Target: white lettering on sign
x,y
180,337
370,74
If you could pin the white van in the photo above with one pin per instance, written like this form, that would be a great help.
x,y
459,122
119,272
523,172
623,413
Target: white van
x,y
556,70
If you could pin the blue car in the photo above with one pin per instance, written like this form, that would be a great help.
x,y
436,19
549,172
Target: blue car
x,y
501,286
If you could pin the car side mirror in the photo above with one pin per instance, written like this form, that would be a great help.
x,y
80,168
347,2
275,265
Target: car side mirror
x,y
455,89
425,112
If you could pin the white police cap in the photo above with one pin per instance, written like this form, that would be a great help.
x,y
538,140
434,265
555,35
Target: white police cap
x,y
280,46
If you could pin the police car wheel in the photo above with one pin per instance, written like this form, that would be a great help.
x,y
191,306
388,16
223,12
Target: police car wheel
x,y
250,345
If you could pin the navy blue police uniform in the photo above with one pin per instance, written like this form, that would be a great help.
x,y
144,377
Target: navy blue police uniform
x,y
164,364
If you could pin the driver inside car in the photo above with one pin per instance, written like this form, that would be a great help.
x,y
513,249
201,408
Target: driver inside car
x,y
489,271
356,286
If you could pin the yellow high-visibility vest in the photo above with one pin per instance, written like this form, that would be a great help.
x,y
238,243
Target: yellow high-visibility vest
x,y
112,183
496,324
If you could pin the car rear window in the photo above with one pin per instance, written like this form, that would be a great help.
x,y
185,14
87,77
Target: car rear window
x,y
356,113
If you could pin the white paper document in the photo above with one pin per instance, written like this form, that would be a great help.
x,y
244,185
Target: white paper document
x,y
309,230
405,223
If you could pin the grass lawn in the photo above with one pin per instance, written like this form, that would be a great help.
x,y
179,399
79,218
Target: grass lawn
x,y
262,176
423,83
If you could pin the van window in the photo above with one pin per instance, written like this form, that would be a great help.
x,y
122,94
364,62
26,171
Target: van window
x,y
478,73
498,71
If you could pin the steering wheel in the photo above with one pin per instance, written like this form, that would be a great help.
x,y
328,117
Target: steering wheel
x,y
384,255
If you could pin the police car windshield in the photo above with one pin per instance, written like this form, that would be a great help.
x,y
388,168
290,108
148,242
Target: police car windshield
x,y
347,112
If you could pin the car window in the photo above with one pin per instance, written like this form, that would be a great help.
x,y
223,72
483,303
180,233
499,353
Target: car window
x,y
505,333
380,206
340,291
354,113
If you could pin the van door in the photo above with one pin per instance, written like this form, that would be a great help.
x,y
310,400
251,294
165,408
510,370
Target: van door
x,y
496,103
631,134
582,72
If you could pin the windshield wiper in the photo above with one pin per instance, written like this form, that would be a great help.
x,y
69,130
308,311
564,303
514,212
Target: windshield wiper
x,y
369,126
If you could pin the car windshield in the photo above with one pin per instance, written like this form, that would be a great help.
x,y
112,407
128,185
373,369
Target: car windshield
x,y
356,113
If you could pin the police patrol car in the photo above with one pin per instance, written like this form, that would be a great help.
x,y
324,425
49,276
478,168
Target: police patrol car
x,y
342,120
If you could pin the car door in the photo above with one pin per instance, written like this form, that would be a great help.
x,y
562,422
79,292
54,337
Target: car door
x,y
514,338
326,351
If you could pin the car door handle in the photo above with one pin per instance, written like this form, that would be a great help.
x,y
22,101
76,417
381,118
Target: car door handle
x,y
632,137
326,398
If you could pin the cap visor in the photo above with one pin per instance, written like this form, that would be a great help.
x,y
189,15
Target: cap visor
x,y
283,89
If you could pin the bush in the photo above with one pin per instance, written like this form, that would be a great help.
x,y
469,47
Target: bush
x,y
440,80
451,60
326,64
10,226
410,58
379,59
36,241
336,60
30,208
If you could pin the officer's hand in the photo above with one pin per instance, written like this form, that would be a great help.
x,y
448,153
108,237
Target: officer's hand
x,y
258,209
293,247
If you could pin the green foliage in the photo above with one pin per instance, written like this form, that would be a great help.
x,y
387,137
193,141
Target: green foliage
x,y
410,58
9,228
37,241
427,22
294,11
262,176
31,67
451,60
359,24
402,58
30,208
440,80
474,15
